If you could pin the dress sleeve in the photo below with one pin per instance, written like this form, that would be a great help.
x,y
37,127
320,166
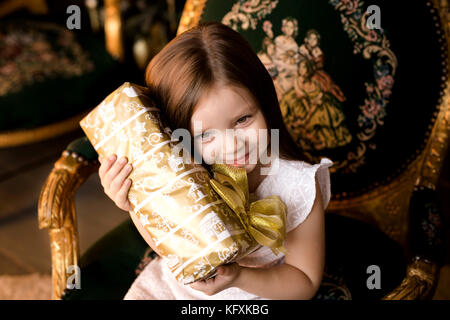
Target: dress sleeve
x,y
306,191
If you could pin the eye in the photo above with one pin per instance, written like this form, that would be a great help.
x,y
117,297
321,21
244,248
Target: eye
x,y
205,136
243,119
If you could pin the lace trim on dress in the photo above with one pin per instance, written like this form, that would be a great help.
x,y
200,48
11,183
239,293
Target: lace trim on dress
x,y
299,199
304,195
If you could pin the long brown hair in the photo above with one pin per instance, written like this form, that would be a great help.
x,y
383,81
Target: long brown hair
x,y
207,54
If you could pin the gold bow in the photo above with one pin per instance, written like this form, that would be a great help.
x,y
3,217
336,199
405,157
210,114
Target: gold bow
x,y
264,220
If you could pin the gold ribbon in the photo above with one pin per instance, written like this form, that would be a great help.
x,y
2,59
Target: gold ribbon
x,y
264,220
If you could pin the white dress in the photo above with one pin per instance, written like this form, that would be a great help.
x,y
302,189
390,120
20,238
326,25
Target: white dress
x,y
294,182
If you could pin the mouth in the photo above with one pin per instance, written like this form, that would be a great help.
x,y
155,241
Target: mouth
x,y
242,160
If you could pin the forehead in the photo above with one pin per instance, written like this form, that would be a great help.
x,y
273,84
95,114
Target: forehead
x,y
222,103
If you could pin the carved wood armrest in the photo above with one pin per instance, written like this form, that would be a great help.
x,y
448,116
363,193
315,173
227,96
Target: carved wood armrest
x,y
420,282
56,211
426,246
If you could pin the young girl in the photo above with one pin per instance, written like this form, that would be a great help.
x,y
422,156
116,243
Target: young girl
x,y
211,74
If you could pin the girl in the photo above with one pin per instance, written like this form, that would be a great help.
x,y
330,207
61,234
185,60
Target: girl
x,y
314,117
211,74
286,56
311,50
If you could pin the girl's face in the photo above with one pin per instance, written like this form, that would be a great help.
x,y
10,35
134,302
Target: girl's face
x,y
270,49
302,70
312,40
288,28
228,127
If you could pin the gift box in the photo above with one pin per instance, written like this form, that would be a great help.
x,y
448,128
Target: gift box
x,y
196,220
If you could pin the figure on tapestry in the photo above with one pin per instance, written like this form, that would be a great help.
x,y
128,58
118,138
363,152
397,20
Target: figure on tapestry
x,y
310,101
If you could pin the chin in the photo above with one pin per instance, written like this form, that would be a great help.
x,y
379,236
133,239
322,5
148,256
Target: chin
x,y
248,167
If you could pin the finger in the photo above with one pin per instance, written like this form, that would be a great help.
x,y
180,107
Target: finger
x,y
122,196
227,269
106,165
198,285
224,270
221,271
113,171
120,178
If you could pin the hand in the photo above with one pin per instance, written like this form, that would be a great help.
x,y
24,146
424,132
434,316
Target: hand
x,y
303,51
318,100
225,278
113,176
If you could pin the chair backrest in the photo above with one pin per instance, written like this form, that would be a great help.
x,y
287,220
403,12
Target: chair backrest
x,y
372,80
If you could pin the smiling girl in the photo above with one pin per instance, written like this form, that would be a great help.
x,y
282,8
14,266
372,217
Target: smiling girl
x,y
211,75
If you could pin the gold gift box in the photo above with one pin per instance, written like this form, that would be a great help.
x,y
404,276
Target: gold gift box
x,y
192,228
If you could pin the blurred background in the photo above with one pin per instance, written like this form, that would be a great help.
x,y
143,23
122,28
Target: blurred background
x,y
50,77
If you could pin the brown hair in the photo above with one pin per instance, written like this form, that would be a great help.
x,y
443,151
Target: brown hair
x,y
208,54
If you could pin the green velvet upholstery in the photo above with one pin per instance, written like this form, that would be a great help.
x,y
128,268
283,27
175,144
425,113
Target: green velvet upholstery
x,y
83,147
108,267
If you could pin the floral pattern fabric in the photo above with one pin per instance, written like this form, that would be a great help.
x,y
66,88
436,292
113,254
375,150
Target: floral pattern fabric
x,y
35,51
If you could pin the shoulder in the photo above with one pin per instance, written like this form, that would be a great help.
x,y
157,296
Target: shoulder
x,y
279,39
300,182
304,169
317,51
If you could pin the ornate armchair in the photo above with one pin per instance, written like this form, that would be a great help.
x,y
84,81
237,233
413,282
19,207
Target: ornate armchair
x,y
371,94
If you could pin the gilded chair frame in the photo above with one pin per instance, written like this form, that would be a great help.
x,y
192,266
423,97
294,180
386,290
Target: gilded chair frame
x,y
385,207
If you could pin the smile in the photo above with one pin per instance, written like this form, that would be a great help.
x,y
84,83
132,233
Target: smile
x,y
242,160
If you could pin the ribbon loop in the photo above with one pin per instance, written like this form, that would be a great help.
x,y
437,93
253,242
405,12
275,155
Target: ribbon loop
x,y
264,220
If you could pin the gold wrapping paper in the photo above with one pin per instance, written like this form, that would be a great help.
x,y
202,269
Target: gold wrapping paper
x,y
195,222
192,228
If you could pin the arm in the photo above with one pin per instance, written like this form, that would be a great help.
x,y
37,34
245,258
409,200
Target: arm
x,y
301,274
298,278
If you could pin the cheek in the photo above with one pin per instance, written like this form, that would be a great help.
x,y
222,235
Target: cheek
x,y
262,137
258,140
209,153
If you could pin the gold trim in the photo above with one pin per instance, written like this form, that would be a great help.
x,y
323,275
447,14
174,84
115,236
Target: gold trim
x,y
37,7
419,284
191,15
422,276
387,206
113,29
21,137
437,146
56,212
